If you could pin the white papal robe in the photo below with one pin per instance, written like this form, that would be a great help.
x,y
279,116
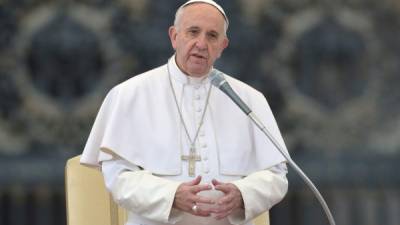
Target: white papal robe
x,y
139,138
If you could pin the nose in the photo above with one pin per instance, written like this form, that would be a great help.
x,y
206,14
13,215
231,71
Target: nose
x,y
201,42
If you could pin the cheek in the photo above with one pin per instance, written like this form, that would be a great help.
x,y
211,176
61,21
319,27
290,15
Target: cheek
x,y
216,53
189,45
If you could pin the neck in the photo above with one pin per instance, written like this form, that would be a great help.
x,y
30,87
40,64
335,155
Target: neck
x,y
196,80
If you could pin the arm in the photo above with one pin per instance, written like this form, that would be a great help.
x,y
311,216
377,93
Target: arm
x,y
138,191
152,197
248,197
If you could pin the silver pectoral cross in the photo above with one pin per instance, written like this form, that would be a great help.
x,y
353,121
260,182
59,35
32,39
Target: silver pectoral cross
x,y
192,158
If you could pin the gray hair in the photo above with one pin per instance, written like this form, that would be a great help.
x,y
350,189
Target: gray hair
x,y
179,13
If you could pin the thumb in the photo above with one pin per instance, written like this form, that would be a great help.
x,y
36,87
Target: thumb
x,y
195,181
215,182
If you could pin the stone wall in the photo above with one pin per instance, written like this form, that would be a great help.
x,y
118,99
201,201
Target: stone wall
x,y
329,68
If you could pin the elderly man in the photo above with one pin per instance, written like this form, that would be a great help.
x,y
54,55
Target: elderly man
x,y
175,150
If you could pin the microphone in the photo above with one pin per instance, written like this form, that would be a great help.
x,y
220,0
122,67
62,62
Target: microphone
x,y
218,80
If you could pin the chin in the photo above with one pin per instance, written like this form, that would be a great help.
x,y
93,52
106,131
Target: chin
x,y
196,71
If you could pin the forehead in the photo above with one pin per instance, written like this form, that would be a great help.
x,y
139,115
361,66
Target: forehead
x,y
202,14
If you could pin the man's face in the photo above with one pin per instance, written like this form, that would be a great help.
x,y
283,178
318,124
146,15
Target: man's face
x,y
198,38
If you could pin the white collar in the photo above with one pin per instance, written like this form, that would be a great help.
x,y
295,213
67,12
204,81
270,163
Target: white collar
x,y
178,75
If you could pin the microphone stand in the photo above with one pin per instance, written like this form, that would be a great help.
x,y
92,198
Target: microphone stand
x,y
309,183
218,80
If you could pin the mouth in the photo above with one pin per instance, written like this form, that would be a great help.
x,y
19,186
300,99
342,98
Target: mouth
x,y
198,56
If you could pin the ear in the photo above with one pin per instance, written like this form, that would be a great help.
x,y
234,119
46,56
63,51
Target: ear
x,y
172,32
224,45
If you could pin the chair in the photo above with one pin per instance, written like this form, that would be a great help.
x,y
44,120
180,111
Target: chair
x,y
89,203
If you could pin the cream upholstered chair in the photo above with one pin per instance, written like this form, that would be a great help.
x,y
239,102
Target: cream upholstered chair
x,y
89,203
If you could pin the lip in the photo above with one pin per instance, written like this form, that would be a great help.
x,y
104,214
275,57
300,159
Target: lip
x,y
199,56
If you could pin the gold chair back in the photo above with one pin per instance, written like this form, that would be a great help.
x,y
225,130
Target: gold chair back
x,y
89,203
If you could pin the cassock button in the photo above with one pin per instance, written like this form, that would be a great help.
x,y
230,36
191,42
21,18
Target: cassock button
x,y
202,133
206,169
204,145
198,109
197,97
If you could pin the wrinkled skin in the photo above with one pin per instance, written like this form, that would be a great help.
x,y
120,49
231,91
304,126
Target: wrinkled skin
x,y
198,39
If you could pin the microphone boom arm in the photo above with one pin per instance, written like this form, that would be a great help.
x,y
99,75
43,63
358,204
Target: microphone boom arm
x,y
296,168
219,81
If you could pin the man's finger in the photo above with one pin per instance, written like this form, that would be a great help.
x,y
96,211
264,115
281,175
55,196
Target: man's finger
x,y
224,188
201,212
225,200
193,182
215,182
224,211
225,207
205,200
202,187
222,216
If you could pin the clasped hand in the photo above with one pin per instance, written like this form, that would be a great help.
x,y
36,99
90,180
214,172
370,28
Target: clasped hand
x,y
187,196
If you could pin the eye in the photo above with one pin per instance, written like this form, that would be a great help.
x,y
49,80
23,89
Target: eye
x,y
193,32
212,35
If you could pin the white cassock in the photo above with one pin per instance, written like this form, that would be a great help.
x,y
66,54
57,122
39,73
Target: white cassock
x,y
138,139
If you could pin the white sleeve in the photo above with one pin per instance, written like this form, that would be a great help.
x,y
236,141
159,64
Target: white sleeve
x,y
260,191
141,192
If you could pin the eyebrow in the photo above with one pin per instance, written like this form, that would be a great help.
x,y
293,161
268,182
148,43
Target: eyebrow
x,y
194,27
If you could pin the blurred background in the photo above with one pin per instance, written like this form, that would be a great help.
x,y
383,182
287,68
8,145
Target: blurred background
x,y
330,70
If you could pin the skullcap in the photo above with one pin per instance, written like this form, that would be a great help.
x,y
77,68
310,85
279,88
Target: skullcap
x,y
210,2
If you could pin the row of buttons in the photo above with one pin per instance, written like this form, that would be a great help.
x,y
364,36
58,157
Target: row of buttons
x,y
203,145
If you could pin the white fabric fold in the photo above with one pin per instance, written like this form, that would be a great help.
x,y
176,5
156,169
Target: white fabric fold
x,y
144,105
151,197
260,191
140,192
